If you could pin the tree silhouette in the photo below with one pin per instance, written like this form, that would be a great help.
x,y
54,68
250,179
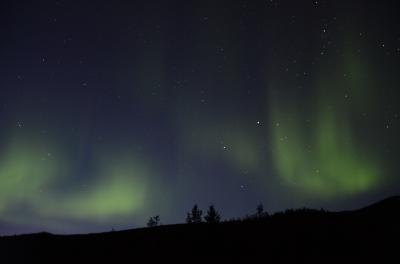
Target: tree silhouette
x,y
260,213
212,215
194,216
153,221
260,210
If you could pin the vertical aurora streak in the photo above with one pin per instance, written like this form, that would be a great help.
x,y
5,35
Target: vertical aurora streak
x,y
315,149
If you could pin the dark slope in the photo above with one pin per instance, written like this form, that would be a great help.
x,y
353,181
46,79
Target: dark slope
x,y
390,206
296,236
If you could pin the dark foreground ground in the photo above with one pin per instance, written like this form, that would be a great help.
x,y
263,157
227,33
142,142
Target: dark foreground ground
x,y
368,235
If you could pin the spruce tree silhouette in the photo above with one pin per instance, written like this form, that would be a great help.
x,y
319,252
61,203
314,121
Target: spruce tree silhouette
x,y
153,221
194,216
260,213
212,215
260,210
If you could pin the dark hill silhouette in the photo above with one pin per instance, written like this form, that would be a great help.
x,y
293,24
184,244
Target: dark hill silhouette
x,y
390,205
370,234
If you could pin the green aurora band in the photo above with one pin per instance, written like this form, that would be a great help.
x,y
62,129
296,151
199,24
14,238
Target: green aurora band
x,y
317,153
30,176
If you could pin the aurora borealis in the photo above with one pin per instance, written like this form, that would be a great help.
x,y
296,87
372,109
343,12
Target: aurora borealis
x,y
114,112
319,155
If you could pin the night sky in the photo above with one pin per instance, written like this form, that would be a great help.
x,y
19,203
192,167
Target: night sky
x,y
115,111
